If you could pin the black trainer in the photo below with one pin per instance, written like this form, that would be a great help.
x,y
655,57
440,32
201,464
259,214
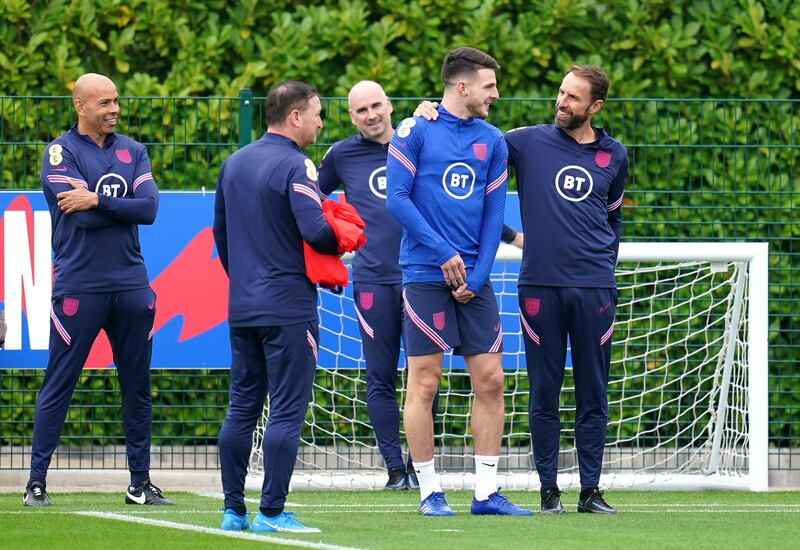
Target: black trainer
x,y
591,502
146,493
397,479
411,477
35,495
551,501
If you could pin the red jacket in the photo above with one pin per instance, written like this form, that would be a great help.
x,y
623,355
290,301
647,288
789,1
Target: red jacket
x,y
328,270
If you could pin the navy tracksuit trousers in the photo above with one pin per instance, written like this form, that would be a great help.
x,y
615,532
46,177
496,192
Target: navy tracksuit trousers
x,y
549,314
75,321
279,362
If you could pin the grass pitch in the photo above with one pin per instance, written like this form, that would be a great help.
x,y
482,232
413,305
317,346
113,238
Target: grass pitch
x,y
378,520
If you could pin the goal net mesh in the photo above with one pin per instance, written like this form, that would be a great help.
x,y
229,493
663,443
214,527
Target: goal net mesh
x,y
677,390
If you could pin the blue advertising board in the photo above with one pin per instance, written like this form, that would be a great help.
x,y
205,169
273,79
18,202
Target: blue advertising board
x,y
191,330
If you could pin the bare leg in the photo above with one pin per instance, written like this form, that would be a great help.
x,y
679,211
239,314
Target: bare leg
x,y
424,373
488,409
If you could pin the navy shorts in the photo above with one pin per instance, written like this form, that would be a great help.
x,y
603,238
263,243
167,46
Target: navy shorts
x,y
435,321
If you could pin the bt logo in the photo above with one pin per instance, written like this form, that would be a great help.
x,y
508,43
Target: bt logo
x,y
574,183
458,180
377,182
111,185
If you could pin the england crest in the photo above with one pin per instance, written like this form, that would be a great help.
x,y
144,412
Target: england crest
x,y
123,155
602,158
438,320
70,306
480,150
532,306
365,299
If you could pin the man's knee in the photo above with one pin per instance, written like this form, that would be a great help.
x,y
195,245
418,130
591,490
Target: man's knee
x,y
489,383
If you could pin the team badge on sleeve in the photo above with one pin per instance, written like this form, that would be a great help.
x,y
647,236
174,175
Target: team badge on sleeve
x,y
55,154
404,130
311,170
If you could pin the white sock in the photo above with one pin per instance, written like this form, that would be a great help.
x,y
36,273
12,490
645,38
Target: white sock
x,y
428,480
485,476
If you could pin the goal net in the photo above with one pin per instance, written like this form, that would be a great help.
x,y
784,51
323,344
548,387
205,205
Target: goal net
x,y
687,390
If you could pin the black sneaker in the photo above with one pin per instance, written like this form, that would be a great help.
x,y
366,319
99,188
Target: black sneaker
x,y
591,502
397,479
35,495
146,493
551,501
411,477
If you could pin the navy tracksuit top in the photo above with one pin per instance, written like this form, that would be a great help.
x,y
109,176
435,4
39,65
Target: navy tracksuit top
x,y
570,203
446,182
267,203
98,250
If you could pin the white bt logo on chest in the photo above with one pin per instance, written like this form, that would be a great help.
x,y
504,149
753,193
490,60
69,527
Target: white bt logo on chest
x,y
377,182
111,185
459,180
574,183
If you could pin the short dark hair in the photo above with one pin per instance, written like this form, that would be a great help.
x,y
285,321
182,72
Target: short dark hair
x,y
463,61
283,98
596,76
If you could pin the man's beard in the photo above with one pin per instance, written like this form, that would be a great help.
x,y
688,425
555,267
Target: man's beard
x,y
475,110
574,123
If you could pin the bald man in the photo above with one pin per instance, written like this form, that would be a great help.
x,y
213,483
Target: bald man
x,y
99,189
358,163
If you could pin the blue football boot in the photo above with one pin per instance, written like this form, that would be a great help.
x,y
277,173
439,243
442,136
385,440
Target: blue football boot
x,y
284,522
231,521
435,505
497,505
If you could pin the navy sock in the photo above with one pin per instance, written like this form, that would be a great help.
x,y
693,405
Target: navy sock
x,y
271,512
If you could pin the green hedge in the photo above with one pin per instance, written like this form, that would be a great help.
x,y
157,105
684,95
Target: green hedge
x,y
684,48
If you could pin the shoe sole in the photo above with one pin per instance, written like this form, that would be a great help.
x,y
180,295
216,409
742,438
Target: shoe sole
x,y
168,503
36,504
585,511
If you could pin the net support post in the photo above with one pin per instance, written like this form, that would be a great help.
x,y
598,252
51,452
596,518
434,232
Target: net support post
x,y
758,404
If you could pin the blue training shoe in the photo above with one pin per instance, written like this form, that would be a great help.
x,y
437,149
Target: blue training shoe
x,y
435,505
284,522
497,505
231,521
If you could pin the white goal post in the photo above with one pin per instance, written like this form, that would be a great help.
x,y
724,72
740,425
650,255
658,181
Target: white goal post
x,y
688,390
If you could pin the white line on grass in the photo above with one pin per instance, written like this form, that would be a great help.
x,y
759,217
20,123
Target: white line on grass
x,y
217,532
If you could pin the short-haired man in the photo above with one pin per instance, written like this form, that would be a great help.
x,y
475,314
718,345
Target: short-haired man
x,y
99,189
446,185
267,203
571,179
